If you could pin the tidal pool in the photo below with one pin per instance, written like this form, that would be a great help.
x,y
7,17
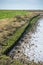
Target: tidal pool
x,y
30,45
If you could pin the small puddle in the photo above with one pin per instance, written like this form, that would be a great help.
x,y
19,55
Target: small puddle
x,y
31,45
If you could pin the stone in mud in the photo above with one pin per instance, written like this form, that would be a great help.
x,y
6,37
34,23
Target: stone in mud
x,y
25,42
32,44
18,51
22,39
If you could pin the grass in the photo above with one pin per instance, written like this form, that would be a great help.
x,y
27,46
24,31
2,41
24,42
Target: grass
x,y
12,41
8,29
15,37
11,25
5,60
12,13
34,20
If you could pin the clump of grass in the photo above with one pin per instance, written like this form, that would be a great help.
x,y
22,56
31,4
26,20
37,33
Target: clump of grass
x,y
11,42
8,29
4,60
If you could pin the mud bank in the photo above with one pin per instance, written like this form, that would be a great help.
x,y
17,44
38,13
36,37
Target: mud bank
x,y
18,52
11,42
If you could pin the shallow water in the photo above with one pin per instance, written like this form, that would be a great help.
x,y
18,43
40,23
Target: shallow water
x,y
31,44
35,51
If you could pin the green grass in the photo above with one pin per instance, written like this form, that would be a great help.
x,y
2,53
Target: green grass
x,y
5,60
12,13
34,20
14,38
32,23
10,42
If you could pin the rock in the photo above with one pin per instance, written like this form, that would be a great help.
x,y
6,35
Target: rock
x,y
18,51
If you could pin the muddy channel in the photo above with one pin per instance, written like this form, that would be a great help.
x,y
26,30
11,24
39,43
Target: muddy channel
x,y
30,46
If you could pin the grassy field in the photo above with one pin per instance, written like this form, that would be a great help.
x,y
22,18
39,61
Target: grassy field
x,y
11,14
12,25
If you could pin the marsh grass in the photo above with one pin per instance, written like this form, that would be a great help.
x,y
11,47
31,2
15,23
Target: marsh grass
x,y
12,13
5,60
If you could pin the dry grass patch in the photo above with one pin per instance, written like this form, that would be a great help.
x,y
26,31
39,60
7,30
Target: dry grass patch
x,y
8,28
